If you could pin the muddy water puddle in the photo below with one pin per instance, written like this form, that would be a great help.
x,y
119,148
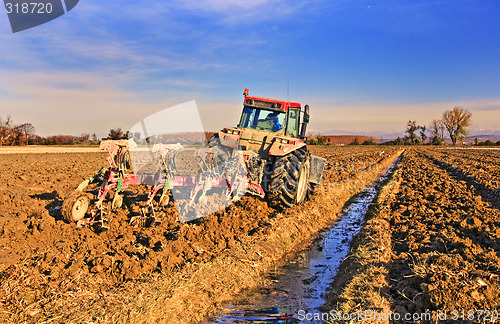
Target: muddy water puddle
x,y
297,290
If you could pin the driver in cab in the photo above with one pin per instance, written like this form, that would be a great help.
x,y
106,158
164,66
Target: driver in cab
x,y
270,123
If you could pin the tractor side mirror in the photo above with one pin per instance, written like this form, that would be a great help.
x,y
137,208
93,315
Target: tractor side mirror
x,y
305,121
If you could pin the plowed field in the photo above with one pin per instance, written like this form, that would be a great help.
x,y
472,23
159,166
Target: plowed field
x,y
432,243
163,272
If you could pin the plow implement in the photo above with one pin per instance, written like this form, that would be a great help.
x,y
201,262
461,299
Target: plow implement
x,y
87,208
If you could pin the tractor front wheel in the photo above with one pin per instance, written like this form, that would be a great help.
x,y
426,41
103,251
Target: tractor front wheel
x,y
75,207
289,179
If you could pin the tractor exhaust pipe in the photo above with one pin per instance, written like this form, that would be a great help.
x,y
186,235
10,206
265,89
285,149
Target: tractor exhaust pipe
x,y
305,121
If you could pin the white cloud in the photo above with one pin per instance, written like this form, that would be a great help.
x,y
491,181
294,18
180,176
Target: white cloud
x,y
245,12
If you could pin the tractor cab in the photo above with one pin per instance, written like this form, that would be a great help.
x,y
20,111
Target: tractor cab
x,y
265,121
261,119
273,115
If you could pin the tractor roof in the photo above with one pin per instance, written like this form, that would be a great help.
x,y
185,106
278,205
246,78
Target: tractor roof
x,y
268,103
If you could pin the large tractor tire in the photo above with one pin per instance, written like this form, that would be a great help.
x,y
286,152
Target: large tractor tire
x,y
289,180
221,152
312,189
75,207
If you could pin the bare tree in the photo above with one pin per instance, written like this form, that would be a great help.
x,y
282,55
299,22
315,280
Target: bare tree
x,y
411,129
441,129
18,136
116,134
423,135
27,129
456,122
437,132
5,130
84,137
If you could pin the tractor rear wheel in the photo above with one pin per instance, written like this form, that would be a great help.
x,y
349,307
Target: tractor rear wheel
x,y
289,180
75,206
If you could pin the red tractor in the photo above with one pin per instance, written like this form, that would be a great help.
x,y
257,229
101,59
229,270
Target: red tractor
x,y
271,135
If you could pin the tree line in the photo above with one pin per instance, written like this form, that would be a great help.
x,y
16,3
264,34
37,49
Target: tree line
x,y
453,124
24,134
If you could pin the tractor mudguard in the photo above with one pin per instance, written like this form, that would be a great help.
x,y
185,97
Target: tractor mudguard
x,y
317,167
283,146
229,139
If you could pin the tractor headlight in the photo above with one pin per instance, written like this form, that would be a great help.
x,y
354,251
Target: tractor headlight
x,y
231,131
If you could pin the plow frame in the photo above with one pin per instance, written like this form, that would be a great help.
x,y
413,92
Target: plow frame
x,y
118,176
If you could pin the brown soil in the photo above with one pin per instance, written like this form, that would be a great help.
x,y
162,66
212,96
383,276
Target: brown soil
x,y
51,270
438,232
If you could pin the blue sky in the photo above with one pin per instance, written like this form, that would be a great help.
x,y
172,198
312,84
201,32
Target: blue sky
x,y
363,66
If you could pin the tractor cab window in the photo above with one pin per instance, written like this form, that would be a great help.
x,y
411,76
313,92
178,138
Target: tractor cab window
x,y
292,126
261,119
